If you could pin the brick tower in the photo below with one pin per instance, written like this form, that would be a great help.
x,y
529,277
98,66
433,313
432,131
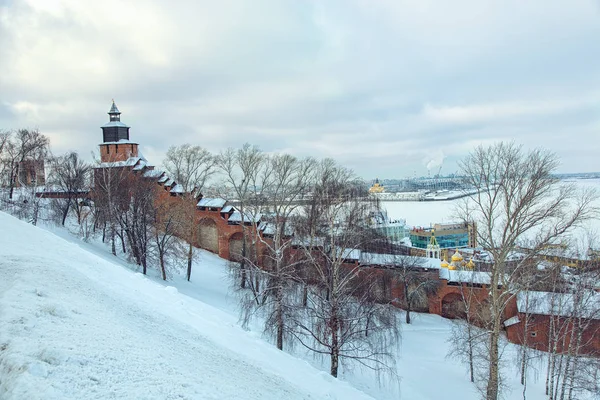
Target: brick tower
x,y
116,145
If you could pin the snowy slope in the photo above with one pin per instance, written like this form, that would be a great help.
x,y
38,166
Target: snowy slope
x,y
76,326
80,323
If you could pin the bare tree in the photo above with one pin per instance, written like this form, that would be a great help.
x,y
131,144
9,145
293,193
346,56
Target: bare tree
x,y
468,339
169,220
4,157
111,198
243,170
417,284
70,175
573,366
191,167
341,319
286,183
24,146
136,219
519,203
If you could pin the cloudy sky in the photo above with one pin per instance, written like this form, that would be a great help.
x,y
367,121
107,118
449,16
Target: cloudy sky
x,y
391,88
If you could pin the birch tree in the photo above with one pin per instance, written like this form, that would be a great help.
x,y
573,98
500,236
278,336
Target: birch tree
x,y
518,204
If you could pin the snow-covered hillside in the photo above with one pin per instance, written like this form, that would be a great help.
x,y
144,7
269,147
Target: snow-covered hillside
x,y
79,323
76,326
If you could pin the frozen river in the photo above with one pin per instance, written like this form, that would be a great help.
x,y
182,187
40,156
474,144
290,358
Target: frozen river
x,y
424,213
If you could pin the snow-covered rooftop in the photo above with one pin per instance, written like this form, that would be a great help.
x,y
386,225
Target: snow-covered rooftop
x,y
164,178
227,208
211,202
120,141
130,162
269,228
462,276
177,189
169,182
140,166
153,173
237,217
512,321
350,254
399,260
308,242
562,304
115,123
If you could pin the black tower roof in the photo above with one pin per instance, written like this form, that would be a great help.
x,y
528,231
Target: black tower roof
x,y
114,130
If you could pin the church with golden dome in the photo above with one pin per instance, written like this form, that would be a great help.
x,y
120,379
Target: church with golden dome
x,y
457,262
376,188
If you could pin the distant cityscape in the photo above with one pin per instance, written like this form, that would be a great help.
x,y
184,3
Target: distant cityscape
x,y
452,181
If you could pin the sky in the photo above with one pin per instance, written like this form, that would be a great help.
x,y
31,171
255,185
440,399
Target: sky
x,y
389,88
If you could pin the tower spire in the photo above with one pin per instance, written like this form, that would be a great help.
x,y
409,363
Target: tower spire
x,y
115,114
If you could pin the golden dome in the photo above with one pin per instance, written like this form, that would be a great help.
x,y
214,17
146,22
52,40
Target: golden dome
x,y
456,257
452,267
444,263
470,264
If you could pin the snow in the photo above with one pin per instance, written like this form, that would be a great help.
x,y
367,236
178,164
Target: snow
x,y
140,166
476,277
79,323
120,141
76,326
236,216
130,162
547,303
512,321
393,259
115,123
177,189
426,213
349,253
209,202
153,173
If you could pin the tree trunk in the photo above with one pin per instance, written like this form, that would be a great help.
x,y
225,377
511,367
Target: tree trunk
x,y
305,295
112,240
144,266
335,351
407,296
123,242
243,262
279,317
12,182
162,265
66,212
189,261
493,373
471,352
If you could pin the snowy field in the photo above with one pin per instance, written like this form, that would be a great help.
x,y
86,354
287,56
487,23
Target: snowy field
x,y
79,323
